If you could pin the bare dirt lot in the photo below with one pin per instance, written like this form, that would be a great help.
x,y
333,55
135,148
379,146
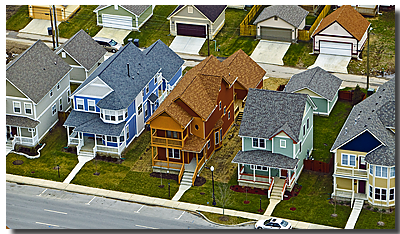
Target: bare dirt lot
x,y
11,9
14,49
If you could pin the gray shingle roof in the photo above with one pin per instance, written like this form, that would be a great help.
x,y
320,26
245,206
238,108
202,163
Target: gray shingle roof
x,y
91,123
135,9
83,49
143,65
373,114
212,12
265,158
20,121
292,14
317,80
268,112
36,71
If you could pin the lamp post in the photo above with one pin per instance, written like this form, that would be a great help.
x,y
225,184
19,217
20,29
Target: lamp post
x,y
212,178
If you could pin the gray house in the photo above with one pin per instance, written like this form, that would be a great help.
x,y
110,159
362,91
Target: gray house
x,y
83,54
277,134
130,17
281,22
193,20
37,87
322,87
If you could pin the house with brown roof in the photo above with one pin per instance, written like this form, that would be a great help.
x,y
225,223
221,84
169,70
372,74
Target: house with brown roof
x,y
343,32
191,122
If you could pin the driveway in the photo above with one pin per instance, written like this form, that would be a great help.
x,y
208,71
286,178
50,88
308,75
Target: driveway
x,y
271,52
37,26
187,45
332,63
117,34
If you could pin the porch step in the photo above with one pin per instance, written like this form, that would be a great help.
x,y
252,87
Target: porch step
x,y
187,178
240,116
86,153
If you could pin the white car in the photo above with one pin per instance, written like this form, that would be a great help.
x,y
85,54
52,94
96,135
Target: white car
x,y
273,223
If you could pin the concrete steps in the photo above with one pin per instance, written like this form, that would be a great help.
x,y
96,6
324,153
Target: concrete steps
x,y
187,178
9,147
357,207
86,153
240,116
186,183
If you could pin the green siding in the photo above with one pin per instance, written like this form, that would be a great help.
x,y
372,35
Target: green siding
x,y
248,144
322,105
145,14
288,151
111,11
333,102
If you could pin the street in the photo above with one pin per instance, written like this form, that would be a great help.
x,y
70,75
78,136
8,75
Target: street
x,y
30,207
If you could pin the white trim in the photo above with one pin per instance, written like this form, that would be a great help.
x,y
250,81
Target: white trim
x,y
355,136
93,102
25,104
258,143
20,107
52,111
283,146
77,104
18,98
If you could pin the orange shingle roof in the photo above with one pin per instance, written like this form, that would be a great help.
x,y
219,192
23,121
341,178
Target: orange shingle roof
x,y
348,18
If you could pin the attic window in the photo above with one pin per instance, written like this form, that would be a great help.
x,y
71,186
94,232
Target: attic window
x,y
190,9
116,7
63,55
275,17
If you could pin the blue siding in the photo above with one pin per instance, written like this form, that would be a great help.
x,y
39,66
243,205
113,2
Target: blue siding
x,y
132,128
86,102
152,87
176,77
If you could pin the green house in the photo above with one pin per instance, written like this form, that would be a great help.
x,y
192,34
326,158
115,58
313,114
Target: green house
x,y
277,135
130,17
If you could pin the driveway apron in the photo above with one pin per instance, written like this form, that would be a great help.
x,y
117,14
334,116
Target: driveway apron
x,y
271,52
37,26
332,63
113,33
187,45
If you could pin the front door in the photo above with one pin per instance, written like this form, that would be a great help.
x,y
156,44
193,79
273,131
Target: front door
x,y
361,186
361,162
14,131
283,173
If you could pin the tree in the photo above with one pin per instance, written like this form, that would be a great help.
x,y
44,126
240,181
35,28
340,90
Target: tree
x,y
223,196
357,95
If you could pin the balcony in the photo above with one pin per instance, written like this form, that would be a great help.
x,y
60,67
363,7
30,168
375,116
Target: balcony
x,y
345,171
165,142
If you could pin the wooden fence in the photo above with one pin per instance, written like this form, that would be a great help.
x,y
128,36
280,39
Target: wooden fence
x,y
305,35
315,165
245,28
348,95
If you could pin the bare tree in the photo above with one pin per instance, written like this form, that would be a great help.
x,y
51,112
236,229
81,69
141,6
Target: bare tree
x,y
223,196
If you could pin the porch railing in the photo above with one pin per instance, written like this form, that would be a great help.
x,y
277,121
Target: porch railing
x,y
110,149
181,173
339,170
284,186
166,164
254,178
271,186
199,165
163,141
31,141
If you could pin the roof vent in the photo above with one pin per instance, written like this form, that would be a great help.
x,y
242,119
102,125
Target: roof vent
x,y
127,66
365,126
345,130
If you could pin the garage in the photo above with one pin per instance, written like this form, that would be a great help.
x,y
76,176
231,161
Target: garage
x,y
191,30
335,48
276,34
117,21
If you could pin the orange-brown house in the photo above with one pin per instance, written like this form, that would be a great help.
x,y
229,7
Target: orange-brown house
x,y
191,122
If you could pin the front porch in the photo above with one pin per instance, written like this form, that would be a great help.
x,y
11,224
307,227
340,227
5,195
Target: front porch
x,y
21,136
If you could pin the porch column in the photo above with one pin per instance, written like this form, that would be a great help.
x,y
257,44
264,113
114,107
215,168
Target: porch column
x,y
20,137
254,173
167,157
68,134
197,158
95,141
269,175
239,171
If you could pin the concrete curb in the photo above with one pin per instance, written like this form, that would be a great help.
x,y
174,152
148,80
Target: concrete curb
x,y
220,224
153,201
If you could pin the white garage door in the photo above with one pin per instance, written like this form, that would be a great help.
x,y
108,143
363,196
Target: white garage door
x,y
335,48
116,21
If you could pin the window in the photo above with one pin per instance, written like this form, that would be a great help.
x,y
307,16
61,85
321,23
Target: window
x,y
391,194
208,144
112,114
229,114
54,109
140,109
63,55
28,108
371,169
17,107
304,130
258,143
380,194
384,172
147,89
392,172
196,127
91,105
224,110
116,7
58,86
282,144
51,93
308,123
68,94
120,117
175,135
127,131
145,110
114,139
80,104
381,171
220,105
275,17
348,160
220,135
60,106
216,138
259,168
174,153
190,9
121,138
370,191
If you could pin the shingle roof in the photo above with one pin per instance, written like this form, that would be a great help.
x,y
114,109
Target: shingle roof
x,y
348,18
265,158
317,80
210,11
135,9
143,65
373,114
36,71
269,112
21,121
292,14
83,49
194,144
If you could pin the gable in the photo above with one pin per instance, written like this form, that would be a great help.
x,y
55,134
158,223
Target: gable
x,y
363,143
68,59
309,92
280,23
96,89
164,120
335,29
12,91
184,12
111,11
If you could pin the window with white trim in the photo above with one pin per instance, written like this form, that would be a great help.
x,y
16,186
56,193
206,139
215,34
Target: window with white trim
x,y
308,123
140,109
54,109
392,172
60,106
190,9
91,105
259,143
174,153
51,93
348,160
259,168
282,144
224,110
17,107
146,111
304,130
220,105
370,191
68,94
58,86
127,131
391,194
381,171
208,144
380,194
80,104
63,55
229,115
371,169
28,108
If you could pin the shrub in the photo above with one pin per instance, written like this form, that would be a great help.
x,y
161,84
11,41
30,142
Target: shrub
x,y
376,209
357,95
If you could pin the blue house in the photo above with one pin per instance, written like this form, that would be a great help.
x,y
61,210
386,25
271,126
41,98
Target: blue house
x,y
111,107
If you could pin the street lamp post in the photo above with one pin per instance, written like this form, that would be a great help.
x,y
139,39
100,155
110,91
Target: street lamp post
x,y
212,178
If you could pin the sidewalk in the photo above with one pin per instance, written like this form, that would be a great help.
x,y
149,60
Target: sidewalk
x,y
149,200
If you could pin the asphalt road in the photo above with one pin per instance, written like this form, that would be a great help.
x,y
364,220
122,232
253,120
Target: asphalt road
x,y
30,207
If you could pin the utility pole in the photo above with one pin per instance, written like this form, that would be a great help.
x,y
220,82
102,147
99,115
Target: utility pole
x,y
55,25
369,29
52,29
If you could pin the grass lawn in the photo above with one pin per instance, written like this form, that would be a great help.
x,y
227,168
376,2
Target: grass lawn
x,y
298,55
312,203
231,219
19,20
326,129
84,19
157,27
228,39
51,156
368,220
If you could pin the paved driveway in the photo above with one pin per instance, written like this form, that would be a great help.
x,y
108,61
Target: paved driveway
x,y
187,45
271,52
332,63
37,26
117,34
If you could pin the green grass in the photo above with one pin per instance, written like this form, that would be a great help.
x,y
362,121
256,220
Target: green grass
x,y
228,39
19,20
84,19
326,129
157,27
231,219
368,220
51,156
298,55
310,19
312,204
